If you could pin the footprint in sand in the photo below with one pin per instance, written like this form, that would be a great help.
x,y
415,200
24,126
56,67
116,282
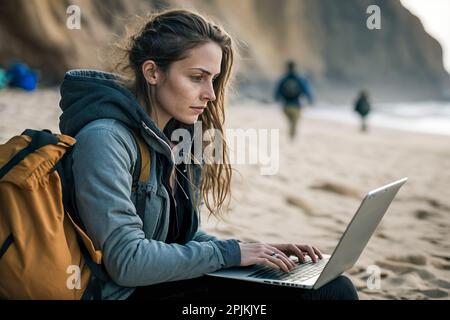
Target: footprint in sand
x,y
417,260
432,240
282,178
441,265
425,215
433,203
397,267
436,204
364,273
356,270
300,203
425,274
396,281
441,283
382,235
434,293
402,265
337,188
441,256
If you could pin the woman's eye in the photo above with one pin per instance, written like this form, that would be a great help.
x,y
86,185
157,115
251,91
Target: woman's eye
x,y
197,78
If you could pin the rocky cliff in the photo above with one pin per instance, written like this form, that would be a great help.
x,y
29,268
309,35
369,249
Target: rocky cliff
x,y
329,39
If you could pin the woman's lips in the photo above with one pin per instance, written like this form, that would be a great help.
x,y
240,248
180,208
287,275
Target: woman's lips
x,y
198,110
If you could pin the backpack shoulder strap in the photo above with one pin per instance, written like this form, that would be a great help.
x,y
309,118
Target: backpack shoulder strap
x,y
142,168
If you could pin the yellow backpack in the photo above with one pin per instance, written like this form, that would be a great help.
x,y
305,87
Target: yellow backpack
x,y
44,254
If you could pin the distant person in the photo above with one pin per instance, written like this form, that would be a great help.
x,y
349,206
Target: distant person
x,y
289,90
362,107
21,76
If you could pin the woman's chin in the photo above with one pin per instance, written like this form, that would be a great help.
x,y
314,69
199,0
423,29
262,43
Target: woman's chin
x,y
189,120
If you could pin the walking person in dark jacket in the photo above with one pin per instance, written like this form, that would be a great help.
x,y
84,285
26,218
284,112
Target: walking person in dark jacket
x,y
363,108
289,91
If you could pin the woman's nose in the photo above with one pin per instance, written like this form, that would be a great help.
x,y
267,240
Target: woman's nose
x,y
208,93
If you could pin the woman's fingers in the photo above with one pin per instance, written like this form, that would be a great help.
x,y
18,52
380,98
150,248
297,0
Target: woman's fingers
x,y
281,255
276,255
309,251
268,263
298,253
260,253
317,251
278,260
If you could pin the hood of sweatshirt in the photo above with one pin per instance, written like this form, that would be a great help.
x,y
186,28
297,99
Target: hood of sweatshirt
x,y
88,95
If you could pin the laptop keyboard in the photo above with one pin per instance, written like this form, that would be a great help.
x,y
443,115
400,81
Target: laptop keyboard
x,y
302,272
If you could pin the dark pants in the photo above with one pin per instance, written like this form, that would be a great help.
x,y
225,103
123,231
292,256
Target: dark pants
x,y
208,288
293,115
363,124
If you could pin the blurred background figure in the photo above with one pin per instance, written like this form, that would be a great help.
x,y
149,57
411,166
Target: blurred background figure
x,y
3,79
19,75
362,107
289,90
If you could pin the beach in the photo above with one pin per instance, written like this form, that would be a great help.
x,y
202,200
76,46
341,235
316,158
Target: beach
x,y
321,180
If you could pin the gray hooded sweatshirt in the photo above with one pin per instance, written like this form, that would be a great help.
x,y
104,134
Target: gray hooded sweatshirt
x,y
100,113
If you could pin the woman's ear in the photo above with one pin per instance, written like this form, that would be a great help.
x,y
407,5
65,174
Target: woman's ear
x,y
150,72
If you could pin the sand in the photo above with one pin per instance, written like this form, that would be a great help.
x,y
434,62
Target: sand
x,y
321,180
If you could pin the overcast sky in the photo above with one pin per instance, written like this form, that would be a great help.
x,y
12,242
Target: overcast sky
x,y
435,16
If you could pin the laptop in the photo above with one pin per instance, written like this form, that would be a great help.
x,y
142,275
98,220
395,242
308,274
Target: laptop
x,y
309,275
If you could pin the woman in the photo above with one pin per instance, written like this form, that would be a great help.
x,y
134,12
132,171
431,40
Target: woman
x,y
181,65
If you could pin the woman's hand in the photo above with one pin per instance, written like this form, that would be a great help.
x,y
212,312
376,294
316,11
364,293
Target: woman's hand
x,y
299,250
265,254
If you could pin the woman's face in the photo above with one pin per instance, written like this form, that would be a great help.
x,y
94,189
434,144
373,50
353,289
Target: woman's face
x,y
185,89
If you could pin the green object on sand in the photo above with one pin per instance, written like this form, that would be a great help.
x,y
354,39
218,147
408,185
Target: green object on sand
x,y
3,79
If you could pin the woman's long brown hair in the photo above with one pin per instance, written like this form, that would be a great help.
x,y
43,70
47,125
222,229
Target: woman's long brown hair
x,y
165,38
